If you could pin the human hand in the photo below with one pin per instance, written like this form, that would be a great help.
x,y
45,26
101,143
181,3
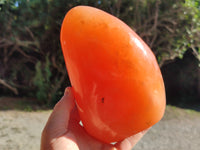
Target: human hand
x,y
63,131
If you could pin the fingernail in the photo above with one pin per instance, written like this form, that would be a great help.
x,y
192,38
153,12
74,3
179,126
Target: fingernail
x,y
66,91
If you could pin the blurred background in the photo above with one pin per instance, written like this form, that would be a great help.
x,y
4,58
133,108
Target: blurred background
x,y
31,61
32,70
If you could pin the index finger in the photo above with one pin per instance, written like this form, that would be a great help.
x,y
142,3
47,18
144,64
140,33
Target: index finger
x,y
130,142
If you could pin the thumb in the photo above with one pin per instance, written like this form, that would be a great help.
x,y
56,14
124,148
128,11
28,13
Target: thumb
x,y
64,107
58,121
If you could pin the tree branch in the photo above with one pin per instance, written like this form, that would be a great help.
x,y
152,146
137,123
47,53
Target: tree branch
x,y
9,86
195,52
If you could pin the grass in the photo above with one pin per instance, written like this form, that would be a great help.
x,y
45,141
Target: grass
x,y
174,112
23,104
29,105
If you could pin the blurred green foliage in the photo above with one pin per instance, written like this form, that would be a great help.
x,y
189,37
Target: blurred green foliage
x,y
42,80
182,81
31,59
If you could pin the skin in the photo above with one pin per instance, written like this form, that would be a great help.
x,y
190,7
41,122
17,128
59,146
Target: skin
x,y
63,131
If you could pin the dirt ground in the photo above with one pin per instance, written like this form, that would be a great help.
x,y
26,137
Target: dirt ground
x,y
178,130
